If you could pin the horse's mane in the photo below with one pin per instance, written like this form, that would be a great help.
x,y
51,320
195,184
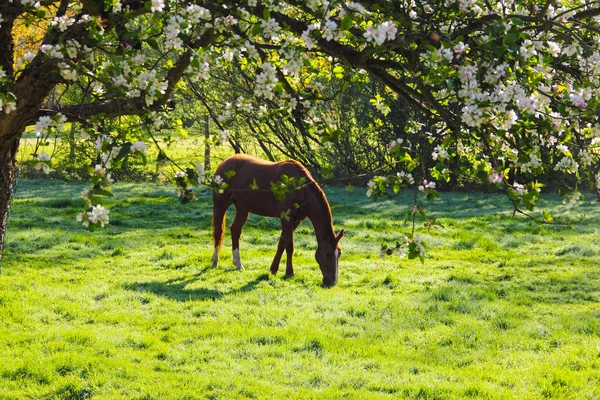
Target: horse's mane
x,y
316,193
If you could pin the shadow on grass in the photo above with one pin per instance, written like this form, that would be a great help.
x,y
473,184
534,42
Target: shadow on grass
x,y
175,289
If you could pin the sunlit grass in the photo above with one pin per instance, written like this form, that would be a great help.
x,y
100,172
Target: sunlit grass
x,y
503,308
183,152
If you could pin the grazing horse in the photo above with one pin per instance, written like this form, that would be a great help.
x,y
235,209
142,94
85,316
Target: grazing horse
x,y
249,181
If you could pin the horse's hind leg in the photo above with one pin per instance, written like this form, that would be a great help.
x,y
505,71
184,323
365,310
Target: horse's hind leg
x,y
236,231
218,226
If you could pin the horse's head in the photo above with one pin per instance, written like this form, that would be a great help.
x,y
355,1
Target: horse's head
x,y
327,255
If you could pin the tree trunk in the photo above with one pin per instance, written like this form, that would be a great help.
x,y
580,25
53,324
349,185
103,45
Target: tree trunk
x,y
8,152
207,143
30,89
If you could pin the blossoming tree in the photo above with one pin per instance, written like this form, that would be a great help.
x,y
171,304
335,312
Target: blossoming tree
x,y
508,89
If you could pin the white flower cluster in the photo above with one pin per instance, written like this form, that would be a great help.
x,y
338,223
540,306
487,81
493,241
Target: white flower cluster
x,y
533,163
199,67
270,28
405,177
139,147
176,25
7,106
586,158
495,177
307,35
31,3
439,153
46,122
244,105
201,173
148,82
520,189
68,73
8,101
196,14
385,31
435,56
265,81
225,133
157,5
567,165
224,24
42,162
97,215
330,31
394,144
62,22
426,185
418,240
103,177
380,104
402,178
372,186
218,184
51,51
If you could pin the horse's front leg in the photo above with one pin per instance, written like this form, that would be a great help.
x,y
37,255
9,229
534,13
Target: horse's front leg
x,y
282,246
236,231
278,254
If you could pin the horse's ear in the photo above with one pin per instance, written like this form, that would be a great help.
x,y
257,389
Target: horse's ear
x,y
339,236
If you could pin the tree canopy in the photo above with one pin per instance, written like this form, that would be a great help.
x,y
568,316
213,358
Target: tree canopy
x,y
503,91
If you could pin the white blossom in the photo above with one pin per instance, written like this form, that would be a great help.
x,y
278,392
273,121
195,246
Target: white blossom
x,y
157,5
139,146
201,173
395,143
62,22
385,31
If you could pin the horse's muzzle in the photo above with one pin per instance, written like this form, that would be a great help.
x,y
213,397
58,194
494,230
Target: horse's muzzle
x,y
329,282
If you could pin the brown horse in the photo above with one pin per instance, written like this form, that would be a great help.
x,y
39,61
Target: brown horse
x,y
249,181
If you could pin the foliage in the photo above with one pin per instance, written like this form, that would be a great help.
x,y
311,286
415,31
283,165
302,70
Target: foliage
x,y
504,92
504,308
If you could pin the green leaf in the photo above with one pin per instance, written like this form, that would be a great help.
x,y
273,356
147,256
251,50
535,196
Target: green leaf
x,y
512,36
257,29
516,21
338,71
125,149
152,43
102,192
347,22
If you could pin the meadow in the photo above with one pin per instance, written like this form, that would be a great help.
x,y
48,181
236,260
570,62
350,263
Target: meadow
x,y
502,308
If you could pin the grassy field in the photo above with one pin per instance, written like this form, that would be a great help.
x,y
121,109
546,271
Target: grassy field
x,y
502,308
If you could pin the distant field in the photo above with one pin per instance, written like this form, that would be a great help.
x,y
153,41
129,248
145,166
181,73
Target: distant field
x,y
503,308
183,151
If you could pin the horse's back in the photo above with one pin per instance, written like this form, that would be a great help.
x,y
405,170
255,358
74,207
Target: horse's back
x,y
248,168
249,181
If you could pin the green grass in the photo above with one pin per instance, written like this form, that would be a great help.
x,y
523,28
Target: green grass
x,y
503,308
184,151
